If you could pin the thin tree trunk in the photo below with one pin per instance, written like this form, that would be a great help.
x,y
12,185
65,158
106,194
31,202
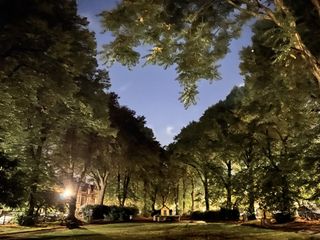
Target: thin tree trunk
x,y
125,189
119,188
251,196
154,199
145,204
36,158
176,200
206,193
192,194
184,192
32,200
229,185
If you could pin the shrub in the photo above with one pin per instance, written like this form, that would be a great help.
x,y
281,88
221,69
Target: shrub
x,y
73,223
28,221
212,215
229,214
222,215
109,213
197,215
283,217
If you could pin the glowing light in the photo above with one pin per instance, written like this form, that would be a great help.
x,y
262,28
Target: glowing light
x,y
67,193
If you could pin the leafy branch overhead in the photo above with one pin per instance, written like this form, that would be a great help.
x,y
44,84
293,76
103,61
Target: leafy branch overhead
x,y
194,35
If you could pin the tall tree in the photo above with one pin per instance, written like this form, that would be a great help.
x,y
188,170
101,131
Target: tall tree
x,y
47,54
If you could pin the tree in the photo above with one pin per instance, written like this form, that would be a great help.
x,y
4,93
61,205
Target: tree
x,y
136,150
12,187
279,119
191,148
197,34
45,46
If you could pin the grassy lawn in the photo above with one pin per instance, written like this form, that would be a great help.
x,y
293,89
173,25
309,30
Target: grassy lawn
x,y
170,231
5,229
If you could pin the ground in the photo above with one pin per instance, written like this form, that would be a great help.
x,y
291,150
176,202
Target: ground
x,y
157,231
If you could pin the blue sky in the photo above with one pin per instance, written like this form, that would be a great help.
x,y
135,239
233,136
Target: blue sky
x,y
153,92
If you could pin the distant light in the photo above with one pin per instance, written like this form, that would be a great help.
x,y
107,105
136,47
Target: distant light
x,y
252,50
67,193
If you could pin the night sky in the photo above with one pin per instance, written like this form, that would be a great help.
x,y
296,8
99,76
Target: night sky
x,y
154,92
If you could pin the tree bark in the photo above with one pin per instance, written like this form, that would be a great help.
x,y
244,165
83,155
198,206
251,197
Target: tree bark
x,y
119,188
72,208
251,196
206,193
184,192
102,192
229,185
176,200
32,200
125,189
36,155
153,198
145,204
192,194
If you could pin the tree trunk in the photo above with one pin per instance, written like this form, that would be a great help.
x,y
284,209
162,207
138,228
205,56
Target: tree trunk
x,y
192,194
251,196
72,208
32,200
184,192
145,204
153,198
119,188
301,49
73,200
176,200
102,192
36,156
229,186
101,182
285,201
125,189
206,193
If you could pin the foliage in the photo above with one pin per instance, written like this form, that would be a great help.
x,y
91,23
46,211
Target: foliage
x,y
198,33
11,182
222,215
28,221
109,213
194,33
283,217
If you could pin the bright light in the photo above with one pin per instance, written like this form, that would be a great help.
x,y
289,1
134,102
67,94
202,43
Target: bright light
x,y
67,193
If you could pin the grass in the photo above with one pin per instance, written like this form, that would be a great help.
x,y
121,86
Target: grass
x,y
5,229
169,231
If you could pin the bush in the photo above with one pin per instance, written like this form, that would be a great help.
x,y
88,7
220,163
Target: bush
x,y
73,223
222,215
283,217
197,215
28,221
229,214
109,213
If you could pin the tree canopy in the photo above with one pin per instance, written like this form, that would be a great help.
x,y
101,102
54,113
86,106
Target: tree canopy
x,y
194,35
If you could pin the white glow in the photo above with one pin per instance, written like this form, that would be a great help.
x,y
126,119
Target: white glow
x,y
66,193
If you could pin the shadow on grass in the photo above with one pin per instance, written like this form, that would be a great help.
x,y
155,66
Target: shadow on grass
x,y
87,234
